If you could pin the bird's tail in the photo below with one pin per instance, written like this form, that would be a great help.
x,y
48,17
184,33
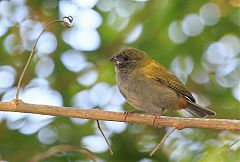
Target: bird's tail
x,y
197,111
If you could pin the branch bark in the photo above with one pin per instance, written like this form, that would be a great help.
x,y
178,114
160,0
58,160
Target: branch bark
x,y
96,114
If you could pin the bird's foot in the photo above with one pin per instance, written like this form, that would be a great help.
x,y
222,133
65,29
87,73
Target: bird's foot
x,y
127,113
177,126
156,116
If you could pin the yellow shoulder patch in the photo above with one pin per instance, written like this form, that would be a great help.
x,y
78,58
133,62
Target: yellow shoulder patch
x,y
149,69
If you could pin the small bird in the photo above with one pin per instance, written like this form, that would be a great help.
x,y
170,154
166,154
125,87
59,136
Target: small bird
x,y
150,87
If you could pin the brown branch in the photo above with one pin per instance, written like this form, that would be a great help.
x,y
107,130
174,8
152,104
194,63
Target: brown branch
x,y
167,121
161,142
105,138
63,148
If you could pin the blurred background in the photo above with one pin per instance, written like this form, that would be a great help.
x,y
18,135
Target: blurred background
x,y
197,40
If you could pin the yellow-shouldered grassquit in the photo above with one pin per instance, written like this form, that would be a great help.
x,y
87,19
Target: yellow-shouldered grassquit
x,y
150,87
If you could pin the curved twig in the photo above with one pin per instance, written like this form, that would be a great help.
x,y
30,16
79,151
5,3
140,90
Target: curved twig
x,y
66,24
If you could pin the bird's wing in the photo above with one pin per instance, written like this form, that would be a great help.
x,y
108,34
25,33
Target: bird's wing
x,y
157,72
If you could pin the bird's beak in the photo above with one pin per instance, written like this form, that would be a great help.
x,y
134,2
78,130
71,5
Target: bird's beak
x,y
114,60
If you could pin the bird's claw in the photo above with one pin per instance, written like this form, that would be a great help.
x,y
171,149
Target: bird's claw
x,y
155,118
127,113
178,126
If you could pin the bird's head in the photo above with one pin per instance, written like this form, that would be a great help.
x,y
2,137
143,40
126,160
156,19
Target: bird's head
x,y
129,58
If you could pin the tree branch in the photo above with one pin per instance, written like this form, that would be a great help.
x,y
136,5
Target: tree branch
x,y
167,121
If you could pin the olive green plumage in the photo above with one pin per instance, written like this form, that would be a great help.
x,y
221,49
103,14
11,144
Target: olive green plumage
x,y
150,87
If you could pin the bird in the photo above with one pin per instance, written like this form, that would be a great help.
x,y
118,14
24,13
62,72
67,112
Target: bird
x,y
150,87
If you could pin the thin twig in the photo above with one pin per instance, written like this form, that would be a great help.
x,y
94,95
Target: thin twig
x,y
235,142
63,148
66,24
161,142
105,138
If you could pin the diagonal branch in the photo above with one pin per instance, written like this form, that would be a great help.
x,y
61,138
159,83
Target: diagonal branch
x,y
161,142
166,121
105,138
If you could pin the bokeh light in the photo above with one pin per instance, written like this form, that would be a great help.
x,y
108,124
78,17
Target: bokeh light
x,y
38,92
10,94
105,5
20,13
47,135
29,31
216,53
66,8
134,34
30,127
44,67
3,29
210,13
88,76
82,39
176,34
124,8
235,92
200,75
83,36
15,124
95,143
145,160
232,43
100,94
46,44
85,3
192,25
88,19
221,57
11,45
82,100
73,60
117,98
182,67
7,75
115,127
79,121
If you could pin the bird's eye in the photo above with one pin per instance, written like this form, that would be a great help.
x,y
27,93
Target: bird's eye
x,y
125,58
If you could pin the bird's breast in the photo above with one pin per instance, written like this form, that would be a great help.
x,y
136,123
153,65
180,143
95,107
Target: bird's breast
x,y
146,94
130,87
